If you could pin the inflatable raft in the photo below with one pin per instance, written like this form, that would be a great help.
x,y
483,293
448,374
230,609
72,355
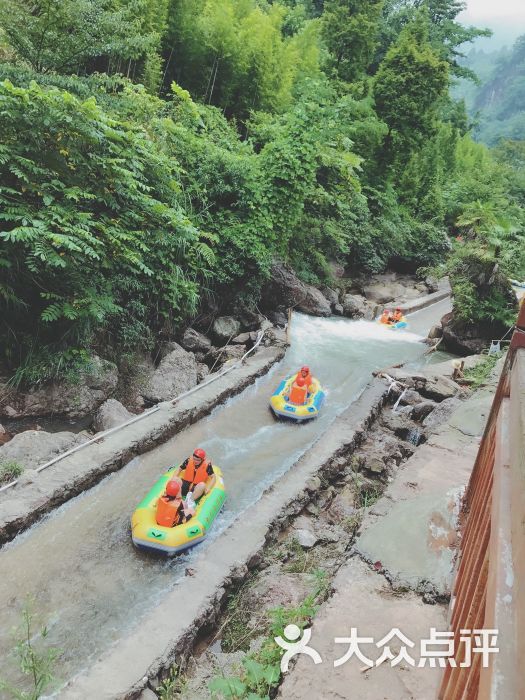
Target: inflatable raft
x,y
147,534
283,408
402,323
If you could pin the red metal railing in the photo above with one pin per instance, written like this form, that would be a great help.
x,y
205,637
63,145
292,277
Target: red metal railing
x,y
489,586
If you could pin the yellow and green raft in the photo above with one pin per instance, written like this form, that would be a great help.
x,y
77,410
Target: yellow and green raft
x,y
147,534
284,409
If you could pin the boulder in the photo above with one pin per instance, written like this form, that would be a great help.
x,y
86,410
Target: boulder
x,y
278,318
33,448
305,538
429,384
374,464
176,374
194,341
338,310
421,410
439,388
284,289
331,295
109,415
382,293
411,398
250,320
225,328
313,483
93,387
353,306
341,508
398,423
432,284
242,339
228,352
435,332
441,412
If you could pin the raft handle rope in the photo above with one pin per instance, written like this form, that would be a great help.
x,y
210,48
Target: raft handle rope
x,y
154,409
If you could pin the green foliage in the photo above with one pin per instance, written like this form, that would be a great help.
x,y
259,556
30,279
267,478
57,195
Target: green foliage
x,y
497,102
36,660
261,670
407,88
76,36
120,211
9,470
234,54
479,374
447,36
350,29
481,292
43,364
88,204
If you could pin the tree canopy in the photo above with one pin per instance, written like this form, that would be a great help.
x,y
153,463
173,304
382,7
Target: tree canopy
x,y
156,152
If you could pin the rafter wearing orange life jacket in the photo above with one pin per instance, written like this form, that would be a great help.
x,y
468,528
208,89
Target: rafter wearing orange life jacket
x,y
304,372
298,392
170,508
193,474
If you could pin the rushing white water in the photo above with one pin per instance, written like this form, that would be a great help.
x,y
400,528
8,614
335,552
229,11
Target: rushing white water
x,y
90,585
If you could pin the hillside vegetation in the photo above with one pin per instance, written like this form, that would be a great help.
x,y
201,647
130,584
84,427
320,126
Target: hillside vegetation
x,y
156,153
497,102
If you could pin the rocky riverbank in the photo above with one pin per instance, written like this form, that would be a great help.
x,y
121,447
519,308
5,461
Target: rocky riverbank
x,y
106,395
314,511
374,543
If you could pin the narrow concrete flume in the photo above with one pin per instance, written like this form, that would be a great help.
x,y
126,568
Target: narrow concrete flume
x,y
92,588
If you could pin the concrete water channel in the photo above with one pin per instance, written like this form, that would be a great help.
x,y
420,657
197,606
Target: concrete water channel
x,y
91,587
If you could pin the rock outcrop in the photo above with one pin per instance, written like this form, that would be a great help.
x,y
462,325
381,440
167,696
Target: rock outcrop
x,y
33,448
225,328
194,341
176,373
109,415
431,386
285,289
94,386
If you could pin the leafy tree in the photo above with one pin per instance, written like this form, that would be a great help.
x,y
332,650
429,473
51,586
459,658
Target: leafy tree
x,y
350,29
408,88
447,36
80,36
234,55
87,203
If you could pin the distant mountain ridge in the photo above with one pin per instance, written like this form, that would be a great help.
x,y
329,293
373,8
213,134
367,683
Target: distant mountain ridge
x,y
497,104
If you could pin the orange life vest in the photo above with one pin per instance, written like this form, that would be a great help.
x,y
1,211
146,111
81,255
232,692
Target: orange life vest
x,y
168,511
195,475
307,380
298,394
